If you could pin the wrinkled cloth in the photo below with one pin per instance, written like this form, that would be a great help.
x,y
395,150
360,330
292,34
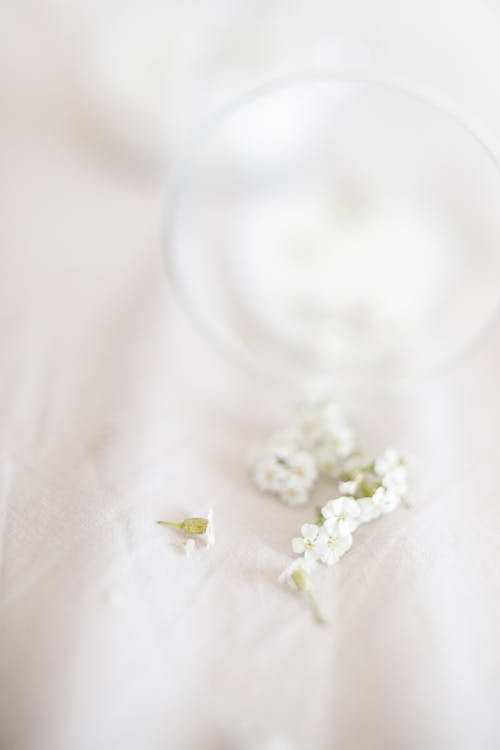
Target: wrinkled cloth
x,y
114,412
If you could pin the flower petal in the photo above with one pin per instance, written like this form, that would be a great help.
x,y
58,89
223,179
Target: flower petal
x,y
298,545
309,531
328,510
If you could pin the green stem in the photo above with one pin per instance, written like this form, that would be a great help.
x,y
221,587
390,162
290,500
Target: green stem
x,y
317,612
171,523
320,519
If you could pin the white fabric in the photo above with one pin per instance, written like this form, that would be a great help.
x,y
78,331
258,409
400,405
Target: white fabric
x,y
114,412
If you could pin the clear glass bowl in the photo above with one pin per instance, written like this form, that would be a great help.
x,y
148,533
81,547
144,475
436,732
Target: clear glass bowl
x,y
335,225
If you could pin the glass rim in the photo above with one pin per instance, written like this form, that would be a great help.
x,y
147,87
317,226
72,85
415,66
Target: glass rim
x,y
187,156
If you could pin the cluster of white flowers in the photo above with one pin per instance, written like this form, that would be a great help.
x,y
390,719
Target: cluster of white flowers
x,y
368,491
325,431
285,469
379,487
322,442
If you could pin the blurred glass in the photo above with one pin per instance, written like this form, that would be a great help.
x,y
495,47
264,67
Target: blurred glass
x,y
328,224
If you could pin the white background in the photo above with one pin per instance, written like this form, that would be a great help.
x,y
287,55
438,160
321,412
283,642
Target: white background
x,y
114,411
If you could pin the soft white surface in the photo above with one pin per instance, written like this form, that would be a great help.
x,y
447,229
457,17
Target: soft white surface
x,y
114,412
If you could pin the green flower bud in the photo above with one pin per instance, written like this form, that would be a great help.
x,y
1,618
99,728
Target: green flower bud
x,y
302,580
202,526
195,525
297,576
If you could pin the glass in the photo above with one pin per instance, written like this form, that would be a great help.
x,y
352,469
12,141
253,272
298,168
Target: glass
x,y
336,225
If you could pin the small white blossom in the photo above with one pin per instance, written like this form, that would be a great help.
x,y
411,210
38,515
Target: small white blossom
x,y
368,510
382,501
390,467
295,492
325,431
336,543
332,448
270,473
385,500
396,480
288,472
387,461
311,544
345,512
301,464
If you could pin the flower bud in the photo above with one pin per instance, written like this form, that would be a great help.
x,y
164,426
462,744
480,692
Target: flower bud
x,y
302,580
195,525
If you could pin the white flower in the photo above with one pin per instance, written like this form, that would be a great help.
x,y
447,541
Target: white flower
x,y
325,431
385,500
311,544
396,480
341,436
331,449
285,470
390,467
301,464
387,461
295,492
269,473
331,443
345,512
368,510
336,543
